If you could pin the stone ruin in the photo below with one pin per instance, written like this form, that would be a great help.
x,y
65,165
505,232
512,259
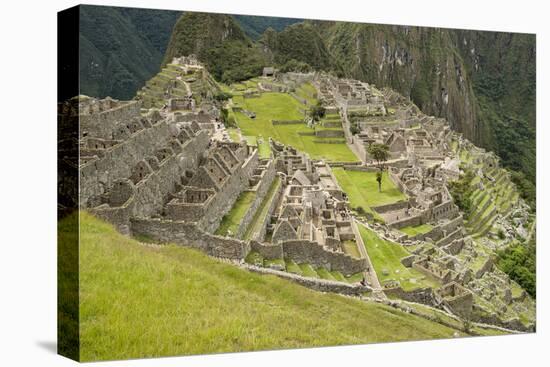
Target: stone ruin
x,y
166,175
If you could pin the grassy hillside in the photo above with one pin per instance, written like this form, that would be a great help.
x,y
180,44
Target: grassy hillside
x,y
139,301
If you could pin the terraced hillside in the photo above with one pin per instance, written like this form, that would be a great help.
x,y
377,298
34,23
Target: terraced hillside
x,y
493,194
171,288
174,81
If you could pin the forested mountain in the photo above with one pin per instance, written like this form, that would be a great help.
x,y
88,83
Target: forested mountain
x,y
120,48
219,42
255,26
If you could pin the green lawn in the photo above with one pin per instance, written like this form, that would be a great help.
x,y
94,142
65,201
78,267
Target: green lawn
x,y
232,220
362,188
350,248
386,258
234,134
414,230
281,106
264,150
308,92
140,302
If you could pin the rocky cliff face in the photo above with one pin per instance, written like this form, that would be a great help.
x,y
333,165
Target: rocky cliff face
x,y
421,63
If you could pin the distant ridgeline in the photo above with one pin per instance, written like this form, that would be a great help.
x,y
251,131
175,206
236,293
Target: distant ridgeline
x,y
460,75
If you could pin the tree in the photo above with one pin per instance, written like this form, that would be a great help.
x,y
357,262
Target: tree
x,y
379,180
380,152
317,112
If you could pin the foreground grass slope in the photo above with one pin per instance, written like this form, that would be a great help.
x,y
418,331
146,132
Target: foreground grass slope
x,y
139,301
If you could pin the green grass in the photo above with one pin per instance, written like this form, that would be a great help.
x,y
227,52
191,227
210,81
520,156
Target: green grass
x,y
354,278
234,134
338,276
414,230
231,221
350,248
292,267
254,258
362,188
308,271
324,274
308,92
138,302
281,106
386,258
264,150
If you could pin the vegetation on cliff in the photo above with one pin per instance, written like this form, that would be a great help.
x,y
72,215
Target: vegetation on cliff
x,y
121,48
519,262
219,42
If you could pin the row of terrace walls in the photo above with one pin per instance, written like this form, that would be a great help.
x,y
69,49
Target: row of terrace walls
x,y
103,124
261,189
303,251
119,160
149,194
225,198
190,235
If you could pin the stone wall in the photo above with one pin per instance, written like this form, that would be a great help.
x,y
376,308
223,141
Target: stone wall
x,y
424,296
391,207
118,161
329,133
150,193
259,236
261,189
225,198
103,124
268,251
321,285
189,234
445,210
457,234
303,251
407,221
